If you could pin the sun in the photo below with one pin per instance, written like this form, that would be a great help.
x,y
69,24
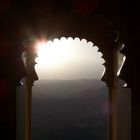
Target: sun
x,y
53,54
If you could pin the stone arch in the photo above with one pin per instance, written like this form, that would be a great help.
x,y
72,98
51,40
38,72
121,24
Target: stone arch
x,y
95,29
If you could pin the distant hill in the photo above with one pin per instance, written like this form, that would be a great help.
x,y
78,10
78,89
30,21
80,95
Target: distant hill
x,y
64,88
80,115
85,104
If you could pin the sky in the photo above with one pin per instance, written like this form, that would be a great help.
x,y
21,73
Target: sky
x,y
68,59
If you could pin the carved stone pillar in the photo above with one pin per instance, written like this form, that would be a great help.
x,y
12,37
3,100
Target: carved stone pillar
x,y
31,77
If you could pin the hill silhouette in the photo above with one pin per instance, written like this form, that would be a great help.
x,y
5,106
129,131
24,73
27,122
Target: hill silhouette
x,y
64,88
80,115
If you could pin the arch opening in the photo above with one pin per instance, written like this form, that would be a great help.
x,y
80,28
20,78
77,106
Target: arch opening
x,y
69,98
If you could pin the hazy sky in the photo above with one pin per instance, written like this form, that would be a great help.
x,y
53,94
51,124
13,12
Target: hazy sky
x,y
69,59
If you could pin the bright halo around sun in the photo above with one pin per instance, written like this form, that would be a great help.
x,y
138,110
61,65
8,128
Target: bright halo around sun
x,y
53,54
68,58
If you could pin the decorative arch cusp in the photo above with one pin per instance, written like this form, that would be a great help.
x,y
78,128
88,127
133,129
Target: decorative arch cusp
x,y
93,28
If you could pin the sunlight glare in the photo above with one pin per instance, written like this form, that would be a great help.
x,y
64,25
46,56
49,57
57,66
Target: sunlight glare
x,y
69,58
54,53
